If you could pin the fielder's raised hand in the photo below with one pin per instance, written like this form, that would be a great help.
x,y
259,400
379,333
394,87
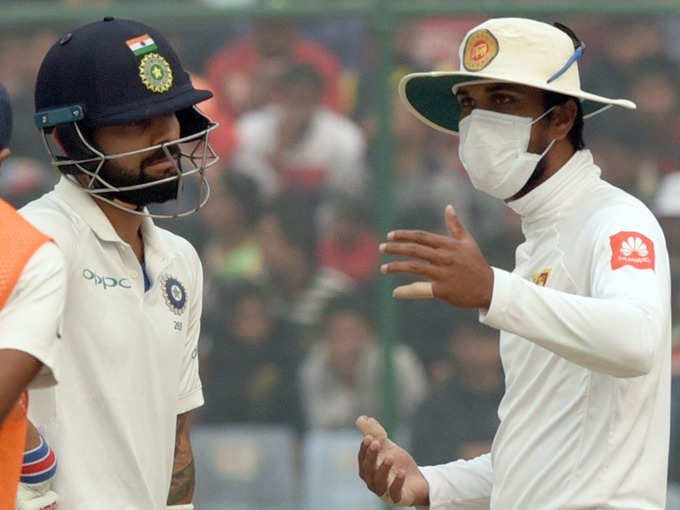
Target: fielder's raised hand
x,y
454,265
388,470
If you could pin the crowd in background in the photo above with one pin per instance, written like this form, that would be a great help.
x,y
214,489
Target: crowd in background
x,y
289,240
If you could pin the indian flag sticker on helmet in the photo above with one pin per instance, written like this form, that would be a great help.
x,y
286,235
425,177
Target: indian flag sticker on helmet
x,y
156,73
480,49
141,45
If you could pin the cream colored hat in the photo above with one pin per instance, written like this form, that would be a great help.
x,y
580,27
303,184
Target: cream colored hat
x,y
514,50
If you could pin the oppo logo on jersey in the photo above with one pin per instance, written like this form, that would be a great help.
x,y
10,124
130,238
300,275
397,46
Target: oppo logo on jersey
x,y
107,282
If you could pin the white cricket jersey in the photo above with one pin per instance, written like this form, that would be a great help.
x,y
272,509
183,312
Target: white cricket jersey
x,y
585,343
31,317
330,154
129,357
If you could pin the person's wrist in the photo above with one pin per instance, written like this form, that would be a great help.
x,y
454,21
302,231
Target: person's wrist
x,y
488,295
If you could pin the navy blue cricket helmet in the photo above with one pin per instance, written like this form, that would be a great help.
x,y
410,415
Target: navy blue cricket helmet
x,y
111,72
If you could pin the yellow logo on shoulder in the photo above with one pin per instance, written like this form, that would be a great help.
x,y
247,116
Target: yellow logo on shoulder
x,y
541,278
156,73
480,49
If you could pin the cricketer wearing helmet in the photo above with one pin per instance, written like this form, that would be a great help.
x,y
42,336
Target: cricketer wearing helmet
x,y
32,285
584,317
117,114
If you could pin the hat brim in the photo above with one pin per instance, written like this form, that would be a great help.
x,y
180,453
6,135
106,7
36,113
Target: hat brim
x,y
181,100
430,96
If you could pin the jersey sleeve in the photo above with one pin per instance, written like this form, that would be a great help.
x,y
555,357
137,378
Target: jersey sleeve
x,y
190,394
622,325
30,321
460,485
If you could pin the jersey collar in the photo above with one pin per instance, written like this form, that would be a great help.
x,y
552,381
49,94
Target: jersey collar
x,y
551,198
86,208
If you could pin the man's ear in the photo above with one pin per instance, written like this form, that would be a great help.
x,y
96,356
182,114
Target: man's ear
x,y
562,119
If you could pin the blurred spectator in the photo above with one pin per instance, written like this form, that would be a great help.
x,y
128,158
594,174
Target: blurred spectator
x,y
434,39
249,373
459,419
297,286
635,63
666,207
499,249
222,139
245,75
423,323
346,38
20,56
655,90
24,179
341,377
298,144
231,250
350,244
633,170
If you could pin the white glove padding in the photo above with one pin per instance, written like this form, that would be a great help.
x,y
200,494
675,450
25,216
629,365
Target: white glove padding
x,y
189,506
371,427
36,496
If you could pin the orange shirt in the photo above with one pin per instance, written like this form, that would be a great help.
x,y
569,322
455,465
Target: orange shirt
x,y
19,240
12,444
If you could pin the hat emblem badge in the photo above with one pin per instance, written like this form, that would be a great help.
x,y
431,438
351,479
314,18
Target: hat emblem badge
x,y
156,73
480,49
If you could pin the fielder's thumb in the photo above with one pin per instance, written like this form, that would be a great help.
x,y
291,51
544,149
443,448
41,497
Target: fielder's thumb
x,y
371,427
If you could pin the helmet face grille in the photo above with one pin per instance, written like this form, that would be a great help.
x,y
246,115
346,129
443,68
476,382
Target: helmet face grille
x,y
184,183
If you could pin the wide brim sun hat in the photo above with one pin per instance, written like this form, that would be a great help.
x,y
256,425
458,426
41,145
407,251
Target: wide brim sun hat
x,y
510,50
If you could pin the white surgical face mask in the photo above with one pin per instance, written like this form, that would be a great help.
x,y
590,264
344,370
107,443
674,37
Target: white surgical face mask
x,y
493,150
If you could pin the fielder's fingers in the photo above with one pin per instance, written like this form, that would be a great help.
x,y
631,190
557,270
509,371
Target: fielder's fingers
x,y
419,237
397,486
413,250
415,290
381,477
369,463
452,222
414,267
363,449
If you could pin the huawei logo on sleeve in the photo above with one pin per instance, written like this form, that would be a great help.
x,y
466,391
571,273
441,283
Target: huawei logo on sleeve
x,y
634,246
632,249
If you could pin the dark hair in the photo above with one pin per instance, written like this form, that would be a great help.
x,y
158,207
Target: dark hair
x,y
551,99
70,142
575,135
229,295
294,213
243,189
302,74
349,302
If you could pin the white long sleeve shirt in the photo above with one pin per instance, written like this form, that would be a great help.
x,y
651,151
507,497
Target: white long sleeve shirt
x,y
585,343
